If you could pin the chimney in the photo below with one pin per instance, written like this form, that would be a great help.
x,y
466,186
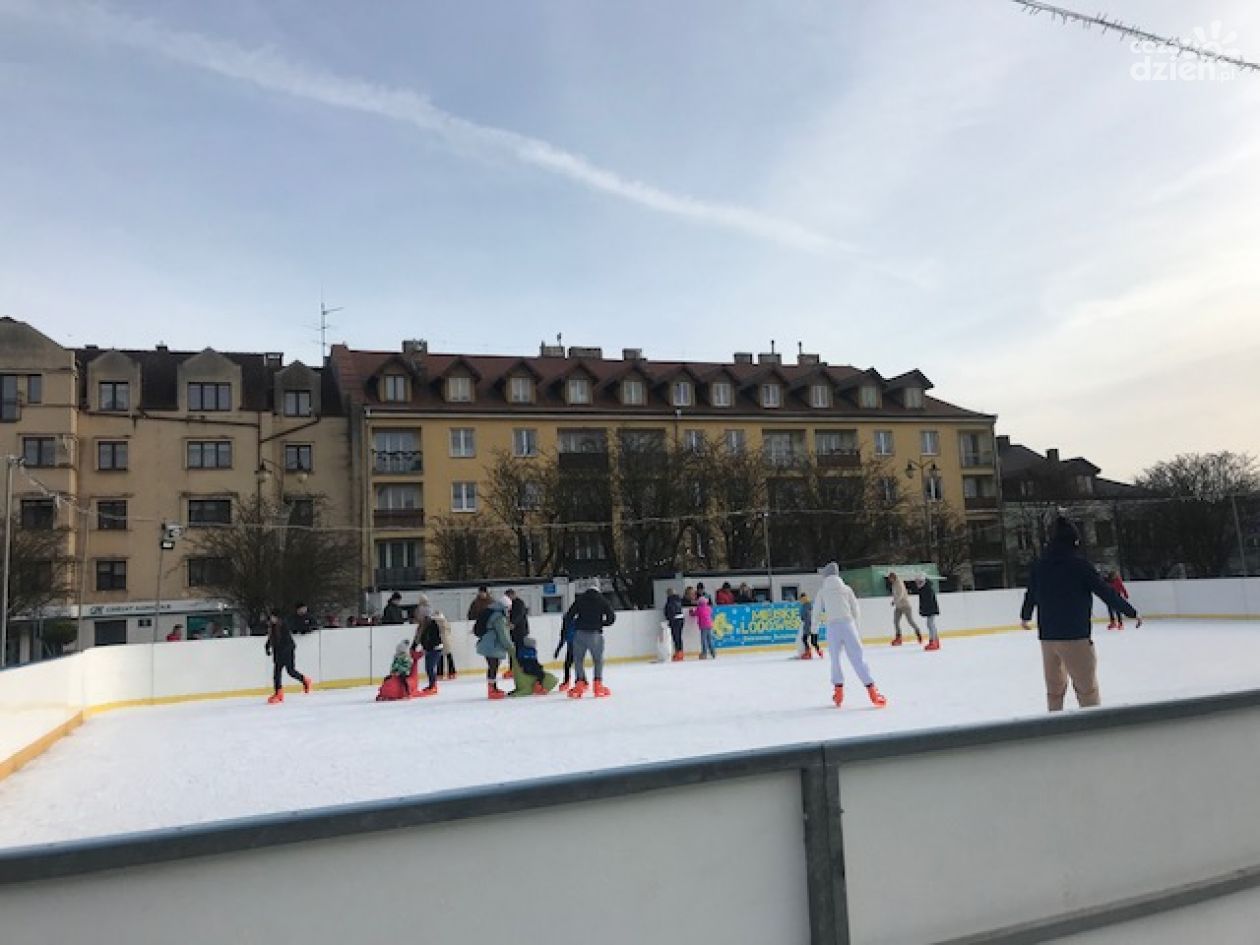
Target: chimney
x,y
162,346
550,351
743,357
273,359
415,346
811,359
1052,456
632,354
1004,442
576,351
772,357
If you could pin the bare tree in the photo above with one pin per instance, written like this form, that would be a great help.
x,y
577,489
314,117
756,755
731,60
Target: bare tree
x,y
39,568
731,487
473,548
516,496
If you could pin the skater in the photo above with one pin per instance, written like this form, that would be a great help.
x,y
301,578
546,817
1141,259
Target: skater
x,y
280,646
518,617
444,631
1116,621
566,644
674,616
393,610
479,603
929,608
809,639
494,643
704,620
836,608
401,667
590,614
429,638
301,621
901,608
1060,589
527,657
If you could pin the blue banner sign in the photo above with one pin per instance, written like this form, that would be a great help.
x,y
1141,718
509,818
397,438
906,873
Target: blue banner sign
x,y
756,624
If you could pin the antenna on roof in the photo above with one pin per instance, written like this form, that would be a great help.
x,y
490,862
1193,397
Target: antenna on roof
x,y
559,338
324,312
772,346
800,348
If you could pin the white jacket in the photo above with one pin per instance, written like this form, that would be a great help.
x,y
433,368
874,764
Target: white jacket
x,y
835,600
900,596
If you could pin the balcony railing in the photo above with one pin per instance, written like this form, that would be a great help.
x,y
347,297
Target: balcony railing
x,y
980,503
844,459
584,462
398,518
397,461
399,578
972,460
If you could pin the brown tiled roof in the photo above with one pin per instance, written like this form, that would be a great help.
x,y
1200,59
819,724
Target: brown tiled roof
x,y
355,369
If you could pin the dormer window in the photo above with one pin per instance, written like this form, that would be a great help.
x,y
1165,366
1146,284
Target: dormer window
x,y
771,395
394,388
633,392
521,390
114,395
578,390
914,397
459,390
681,394
209,396
297,403
868,396
720,393
819,395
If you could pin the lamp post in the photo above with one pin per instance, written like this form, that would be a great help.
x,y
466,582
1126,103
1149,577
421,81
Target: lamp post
x,y
10,463
925,470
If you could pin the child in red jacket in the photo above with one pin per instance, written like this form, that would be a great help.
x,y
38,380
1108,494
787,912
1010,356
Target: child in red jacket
x,y
1117,619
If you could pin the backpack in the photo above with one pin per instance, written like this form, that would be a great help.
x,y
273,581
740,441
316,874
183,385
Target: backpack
x,y
482,623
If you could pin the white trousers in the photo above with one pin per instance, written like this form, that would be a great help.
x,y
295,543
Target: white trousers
x,y
842,635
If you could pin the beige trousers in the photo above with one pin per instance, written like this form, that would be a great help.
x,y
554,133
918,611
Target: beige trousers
x,y
1062,659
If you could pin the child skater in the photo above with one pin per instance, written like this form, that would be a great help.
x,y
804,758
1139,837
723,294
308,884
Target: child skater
x,y
704,620
527,657
429,638
401,666
836,608
1117,619
809,639
929,608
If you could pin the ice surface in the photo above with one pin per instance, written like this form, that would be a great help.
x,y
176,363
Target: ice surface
x,y
144,768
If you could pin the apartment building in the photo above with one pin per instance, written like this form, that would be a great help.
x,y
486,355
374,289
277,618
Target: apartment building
x,y
114,443
425,426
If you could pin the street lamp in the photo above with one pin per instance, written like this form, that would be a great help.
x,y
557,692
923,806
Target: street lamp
x,y
925,470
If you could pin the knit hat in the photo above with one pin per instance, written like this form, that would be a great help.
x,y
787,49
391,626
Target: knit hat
x,y
831,570
402,647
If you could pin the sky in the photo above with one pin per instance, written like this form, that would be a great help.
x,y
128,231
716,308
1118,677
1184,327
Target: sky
x,y
1036,216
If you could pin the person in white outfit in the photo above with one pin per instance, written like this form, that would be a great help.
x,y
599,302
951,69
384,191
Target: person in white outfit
x,y
901,608
836,608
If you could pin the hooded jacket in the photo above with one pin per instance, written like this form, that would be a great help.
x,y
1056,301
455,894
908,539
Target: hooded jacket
x,y
900,596
496,643
1061,586
591,612
835,600
673,607
928,605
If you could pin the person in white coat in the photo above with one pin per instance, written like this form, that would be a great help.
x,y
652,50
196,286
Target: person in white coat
x,y
836,608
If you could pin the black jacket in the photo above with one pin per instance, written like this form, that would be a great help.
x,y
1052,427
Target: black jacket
x,y
518,621
299,623
393,614
591,612
673,607
279,639
928,605
1060,588
429,635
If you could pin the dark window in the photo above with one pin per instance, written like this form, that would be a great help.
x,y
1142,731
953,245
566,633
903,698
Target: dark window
x,y
209,511
39,514
115,395
210,454
302,512
207,396
111,455
297,458
1105,532
10,407
297,403
34,388
207,572
111,515
111,632
111,575
39,450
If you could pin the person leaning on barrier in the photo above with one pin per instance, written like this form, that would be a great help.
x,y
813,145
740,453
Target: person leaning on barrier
x,y
393,610
1061,588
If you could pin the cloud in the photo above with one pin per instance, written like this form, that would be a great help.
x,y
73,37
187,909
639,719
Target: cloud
x,y
267,69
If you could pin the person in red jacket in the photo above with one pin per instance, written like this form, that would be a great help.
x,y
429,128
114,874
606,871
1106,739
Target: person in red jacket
x,y
1117,619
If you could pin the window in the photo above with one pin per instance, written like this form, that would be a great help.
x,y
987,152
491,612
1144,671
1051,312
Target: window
x,y
111,454
110,632
39,514
301,512
463,497
835,442
397,554
633,393
868,396
693,439
111,575
736,441
10,406
398,498
34,388
524,441
930,443
209,396
588,546
39,450
914,397
209,511
396,451
582,440
771,395
720,393
887,487
298,457
207,572
819,395
883,442
210,454
1084,485
681,394
394,388
113,395
933,488
297,403
459,390
462,442
782,449
531,497
1027,488
642,441
521,390
578,390
111,515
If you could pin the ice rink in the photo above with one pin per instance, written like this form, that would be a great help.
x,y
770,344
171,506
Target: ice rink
x,y
145,768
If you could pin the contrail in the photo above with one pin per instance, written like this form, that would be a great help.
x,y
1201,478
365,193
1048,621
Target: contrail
x,y
267,69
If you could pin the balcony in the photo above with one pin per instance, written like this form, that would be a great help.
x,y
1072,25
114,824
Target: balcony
x,y
971,460
399,578
397,461
583,462
847,459
980,503
398,518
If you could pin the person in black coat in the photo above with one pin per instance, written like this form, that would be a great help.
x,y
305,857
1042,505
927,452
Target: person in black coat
x,y
282,648
518,618
1061,589
590,614
674,617
393,613
929,608
429,638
